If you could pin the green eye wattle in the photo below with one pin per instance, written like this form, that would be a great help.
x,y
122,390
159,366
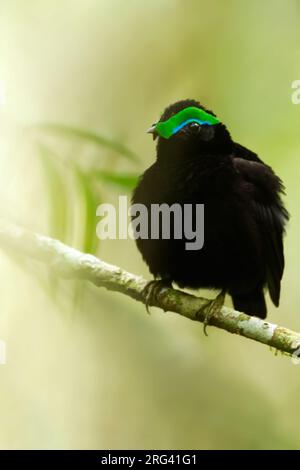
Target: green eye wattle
x,y
188,115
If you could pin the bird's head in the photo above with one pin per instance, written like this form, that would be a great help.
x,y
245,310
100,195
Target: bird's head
x,y
186,128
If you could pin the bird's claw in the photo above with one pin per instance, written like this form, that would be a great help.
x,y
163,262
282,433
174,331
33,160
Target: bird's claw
x,y
213,308
151,291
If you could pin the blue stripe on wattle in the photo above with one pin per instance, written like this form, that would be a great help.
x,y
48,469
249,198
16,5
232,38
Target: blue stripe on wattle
x,y
180,126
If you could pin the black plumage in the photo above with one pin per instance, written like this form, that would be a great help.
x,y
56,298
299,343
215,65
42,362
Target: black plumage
x,y
243,212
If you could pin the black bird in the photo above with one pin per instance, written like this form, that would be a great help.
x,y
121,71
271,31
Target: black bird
x,y
197,162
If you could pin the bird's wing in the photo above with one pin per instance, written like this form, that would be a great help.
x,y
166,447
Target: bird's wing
x,y
265,189
242,152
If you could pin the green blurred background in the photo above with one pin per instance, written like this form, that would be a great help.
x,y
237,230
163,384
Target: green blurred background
x,y
84,79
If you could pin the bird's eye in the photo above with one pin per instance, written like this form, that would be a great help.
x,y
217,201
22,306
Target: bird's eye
x,y
194,127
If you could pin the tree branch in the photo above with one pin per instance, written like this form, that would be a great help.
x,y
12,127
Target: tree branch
x,y
69,263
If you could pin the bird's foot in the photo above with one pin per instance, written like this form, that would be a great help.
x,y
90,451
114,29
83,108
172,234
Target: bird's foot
x,y
152,289
212,308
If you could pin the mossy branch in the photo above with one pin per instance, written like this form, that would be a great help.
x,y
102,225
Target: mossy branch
x,y
69,263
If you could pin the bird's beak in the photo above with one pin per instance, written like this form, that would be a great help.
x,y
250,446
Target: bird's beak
x,y
152,131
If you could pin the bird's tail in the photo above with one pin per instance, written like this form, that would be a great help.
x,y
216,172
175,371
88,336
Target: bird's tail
x,y
252,303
